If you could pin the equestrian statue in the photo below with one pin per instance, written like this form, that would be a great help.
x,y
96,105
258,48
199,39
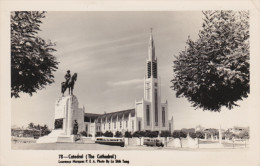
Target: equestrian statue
x,y
69,83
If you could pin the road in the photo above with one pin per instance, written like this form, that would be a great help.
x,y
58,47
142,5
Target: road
x,y
93,146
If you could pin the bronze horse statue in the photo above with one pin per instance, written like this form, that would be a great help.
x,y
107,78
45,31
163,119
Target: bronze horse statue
x,y
69,85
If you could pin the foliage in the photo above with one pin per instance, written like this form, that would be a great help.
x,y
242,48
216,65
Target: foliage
x,y
118,134
165,134
244,134
197,134
192,135
147,133
99,134
32,62
32,131
179,134
213,71
108,134
200,135
44,130
213,131
151,134
128,134
138,134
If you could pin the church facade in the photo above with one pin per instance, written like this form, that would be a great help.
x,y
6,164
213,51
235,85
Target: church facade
x,y
149,113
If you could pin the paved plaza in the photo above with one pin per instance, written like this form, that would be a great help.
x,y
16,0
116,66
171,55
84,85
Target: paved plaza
x,y
93,146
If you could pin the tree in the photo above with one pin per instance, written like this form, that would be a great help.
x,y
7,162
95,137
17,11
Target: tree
x,y
179,135
165,134
37,130
151,134
32,62
213,71
199,135
118,134
128,134
244,134
45,130
99,134
193,135
31,125
108,134
139,134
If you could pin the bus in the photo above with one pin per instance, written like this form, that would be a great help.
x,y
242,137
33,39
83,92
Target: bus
x,y
110,141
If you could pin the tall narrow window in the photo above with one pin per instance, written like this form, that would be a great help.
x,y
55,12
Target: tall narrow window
x,y
156,107
126,124
163,116
133,125
139,125
154,70
120,124
109,126
114,125
147,115
149,73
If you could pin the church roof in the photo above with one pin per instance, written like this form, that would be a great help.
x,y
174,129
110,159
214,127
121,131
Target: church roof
x,y
91,115
114,115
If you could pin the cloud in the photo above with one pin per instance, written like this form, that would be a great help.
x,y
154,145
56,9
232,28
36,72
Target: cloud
x,y
125,82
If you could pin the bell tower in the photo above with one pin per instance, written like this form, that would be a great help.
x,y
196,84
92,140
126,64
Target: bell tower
x,y
151,85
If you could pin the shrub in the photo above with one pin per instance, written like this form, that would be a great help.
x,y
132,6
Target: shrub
x,y
108,134
128,134
192,135
165,134
151,134
99,134
118,134
138,134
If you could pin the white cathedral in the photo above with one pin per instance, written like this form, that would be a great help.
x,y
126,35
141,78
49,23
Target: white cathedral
x,y
149,113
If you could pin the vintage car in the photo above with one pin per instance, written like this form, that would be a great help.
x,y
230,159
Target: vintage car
x,y
153,142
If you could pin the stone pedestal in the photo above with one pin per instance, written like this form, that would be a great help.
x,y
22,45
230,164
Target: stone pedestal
x,y
66,112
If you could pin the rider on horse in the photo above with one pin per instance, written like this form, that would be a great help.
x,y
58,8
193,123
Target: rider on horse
x,y
69,83
67,77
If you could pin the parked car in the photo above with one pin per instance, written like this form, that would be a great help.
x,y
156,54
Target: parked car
x,y
153,142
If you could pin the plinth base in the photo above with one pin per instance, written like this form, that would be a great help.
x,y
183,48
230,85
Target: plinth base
x,y
56,136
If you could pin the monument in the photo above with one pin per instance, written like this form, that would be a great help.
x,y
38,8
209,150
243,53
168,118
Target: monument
x,y
68,117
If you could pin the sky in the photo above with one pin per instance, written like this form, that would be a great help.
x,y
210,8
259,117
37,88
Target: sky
x,y
108,51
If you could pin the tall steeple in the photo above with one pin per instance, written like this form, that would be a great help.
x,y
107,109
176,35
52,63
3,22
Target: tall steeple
x,y
152,85
151,49
151,60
